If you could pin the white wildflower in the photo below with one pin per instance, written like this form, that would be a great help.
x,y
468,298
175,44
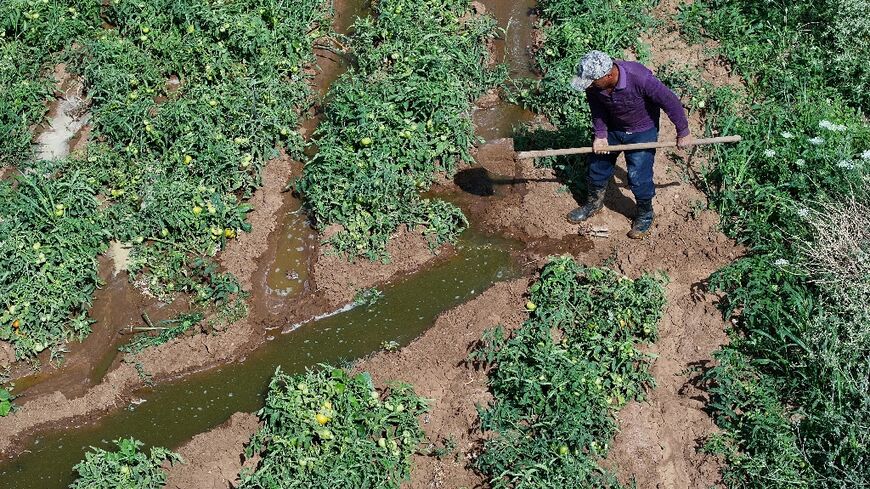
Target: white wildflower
x,y
865,155
846,164
787,134
803,212
817,140
780,262
800,162
831,126
769,153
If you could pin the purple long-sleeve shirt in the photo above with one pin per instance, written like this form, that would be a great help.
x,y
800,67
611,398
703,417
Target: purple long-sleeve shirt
x,y
635,103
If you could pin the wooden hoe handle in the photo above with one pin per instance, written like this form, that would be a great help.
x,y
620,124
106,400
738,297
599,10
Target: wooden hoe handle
x,y
522,155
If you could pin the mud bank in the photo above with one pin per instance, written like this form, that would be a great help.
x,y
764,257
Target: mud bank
x,y
212,459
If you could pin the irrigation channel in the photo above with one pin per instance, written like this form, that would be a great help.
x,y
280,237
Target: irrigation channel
x,y
171,413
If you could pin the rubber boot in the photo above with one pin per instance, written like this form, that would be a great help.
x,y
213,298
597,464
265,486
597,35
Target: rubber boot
x,y
642,223
594,203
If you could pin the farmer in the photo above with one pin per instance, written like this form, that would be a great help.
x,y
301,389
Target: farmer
x,y
625,99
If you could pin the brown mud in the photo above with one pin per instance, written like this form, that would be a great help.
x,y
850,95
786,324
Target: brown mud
x,y
219,466
67,115
493,116
658,439
117,308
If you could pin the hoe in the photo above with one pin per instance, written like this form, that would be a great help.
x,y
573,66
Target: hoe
x,y
521,155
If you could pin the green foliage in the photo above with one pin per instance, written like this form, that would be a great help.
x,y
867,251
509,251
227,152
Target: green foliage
x,y
398,117
127,468
167,331
189,99
790,389
6,405
367,297
777,47
568,30
558,380
193,150
50,236
32,34
326,429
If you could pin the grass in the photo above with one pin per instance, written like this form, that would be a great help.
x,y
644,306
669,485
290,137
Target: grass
x,y
789,391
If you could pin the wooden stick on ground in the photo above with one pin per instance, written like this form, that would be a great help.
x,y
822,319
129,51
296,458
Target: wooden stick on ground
x,y
522,155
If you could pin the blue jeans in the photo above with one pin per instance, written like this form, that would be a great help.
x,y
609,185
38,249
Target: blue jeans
x,y
639,163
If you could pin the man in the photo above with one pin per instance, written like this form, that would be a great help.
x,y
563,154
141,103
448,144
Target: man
x,y
625,99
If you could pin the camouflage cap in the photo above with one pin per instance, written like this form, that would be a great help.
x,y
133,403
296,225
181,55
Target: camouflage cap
x,y
592,66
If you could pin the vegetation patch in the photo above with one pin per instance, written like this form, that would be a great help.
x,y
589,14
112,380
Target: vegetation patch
x,y
188,99
33,35
326,428
128,467
397,118
790,389
162,332
559,379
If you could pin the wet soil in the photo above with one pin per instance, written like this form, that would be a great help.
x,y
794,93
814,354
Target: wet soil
x,y
657,442
170,413
219,466
658,439
118,308
57,401
248,256
435,364
66,117
494,117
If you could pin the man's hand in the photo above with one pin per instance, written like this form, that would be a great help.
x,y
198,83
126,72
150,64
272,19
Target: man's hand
x,y
598,145
685,141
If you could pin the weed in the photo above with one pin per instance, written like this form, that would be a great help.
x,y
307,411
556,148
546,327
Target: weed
x,y
189,99
166,331
367,297
6,399
790,389
446,447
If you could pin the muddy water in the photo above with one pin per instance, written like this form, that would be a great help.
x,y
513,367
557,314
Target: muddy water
x,y
297,241
172,413
117,307
512,48
288,273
